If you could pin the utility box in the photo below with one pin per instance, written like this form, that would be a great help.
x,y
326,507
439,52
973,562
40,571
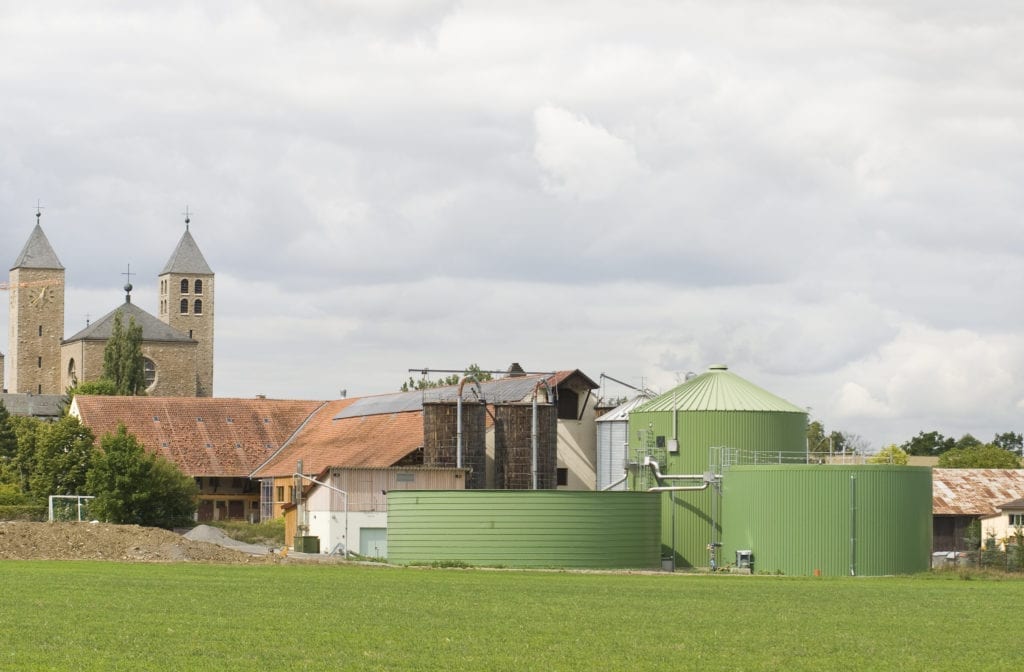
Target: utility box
x,y
745,559
306,544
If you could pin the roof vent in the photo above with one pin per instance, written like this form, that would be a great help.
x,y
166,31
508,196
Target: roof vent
x,y
718,367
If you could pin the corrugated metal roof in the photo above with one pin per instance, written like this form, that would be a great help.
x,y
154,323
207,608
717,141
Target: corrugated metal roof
x,y
719,390
621,412
187,258
37,252
507,390
153,329
974,492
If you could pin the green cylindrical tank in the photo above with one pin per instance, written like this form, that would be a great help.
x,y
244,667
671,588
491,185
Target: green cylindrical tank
x,y
525,528
836,520
715,409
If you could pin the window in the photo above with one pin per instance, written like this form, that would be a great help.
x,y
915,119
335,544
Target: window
x,y
568,403
198,309
148,371
280,493
184,306
184,286
39,361
72,376
562,476
197,287
1017,519
40,330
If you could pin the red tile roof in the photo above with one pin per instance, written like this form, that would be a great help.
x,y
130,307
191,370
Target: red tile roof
x,y
363,441
974,492
202,436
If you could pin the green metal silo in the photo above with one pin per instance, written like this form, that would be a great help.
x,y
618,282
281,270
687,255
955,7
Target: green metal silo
x,y
689,430
836,520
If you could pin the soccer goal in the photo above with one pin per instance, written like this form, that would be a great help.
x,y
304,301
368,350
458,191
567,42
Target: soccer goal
x,y
65,508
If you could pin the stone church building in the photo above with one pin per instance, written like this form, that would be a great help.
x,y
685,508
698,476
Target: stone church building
x,y
177,345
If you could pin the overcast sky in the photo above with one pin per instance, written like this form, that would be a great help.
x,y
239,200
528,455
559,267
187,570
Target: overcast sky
x,y
825,196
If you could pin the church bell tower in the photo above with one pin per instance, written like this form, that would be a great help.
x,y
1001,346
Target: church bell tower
x,y
186,293
36,317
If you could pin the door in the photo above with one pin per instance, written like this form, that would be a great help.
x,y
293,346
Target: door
x,y
373,542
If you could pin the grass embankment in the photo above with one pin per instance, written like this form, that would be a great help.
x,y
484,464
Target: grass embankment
x,y
111,616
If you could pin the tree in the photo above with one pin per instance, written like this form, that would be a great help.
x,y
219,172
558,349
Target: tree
x,y
8,439
1011,441
133,486
100,386
63,455
122,358
425,383
20,467
930,444
967,441
985,456
892,454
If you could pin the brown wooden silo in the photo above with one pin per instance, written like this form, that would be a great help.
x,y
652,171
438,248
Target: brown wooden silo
x,y
513,446
440,438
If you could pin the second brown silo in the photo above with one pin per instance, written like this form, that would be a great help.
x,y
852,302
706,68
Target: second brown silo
x,y
513,446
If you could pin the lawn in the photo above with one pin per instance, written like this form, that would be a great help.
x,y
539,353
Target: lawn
x,y
112,616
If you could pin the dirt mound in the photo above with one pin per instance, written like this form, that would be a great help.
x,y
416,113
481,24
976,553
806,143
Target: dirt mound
x,y
98,541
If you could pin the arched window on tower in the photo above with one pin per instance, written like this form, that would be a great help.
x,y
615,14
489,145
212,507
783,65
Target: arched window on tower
x,y
197,286
72,375
198,306
184,306
149,372
184,286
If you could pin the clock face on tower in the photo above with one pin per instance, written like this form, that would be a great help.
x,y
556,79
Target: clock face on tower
x,y
40,297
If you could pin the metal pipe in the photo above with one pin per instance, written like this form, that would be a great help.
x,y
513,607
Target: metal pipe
x,y
853,525
534,430
618,482
653,464
679,488
331,487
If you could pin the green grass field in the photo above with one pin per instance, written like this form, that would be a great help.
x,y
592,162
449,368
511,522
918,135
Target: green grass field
x,y
111,616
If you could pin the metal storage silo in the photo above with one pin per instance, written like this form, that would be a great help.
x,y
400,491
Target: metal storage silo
x,y
613,444
865,520
441,438
513,446
682,430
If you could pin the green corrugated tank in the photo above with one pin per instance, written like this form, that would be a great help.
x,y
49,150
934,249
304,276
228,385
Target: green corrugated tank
x,y
868,520
717,408
526,528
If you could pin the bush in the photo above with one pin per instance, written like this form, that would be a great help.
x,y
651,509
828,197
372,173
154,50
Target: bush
x,y
26,512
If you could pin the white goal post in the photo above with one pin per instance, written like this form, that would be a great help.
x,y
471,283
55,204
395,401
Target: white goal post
x,y
78,503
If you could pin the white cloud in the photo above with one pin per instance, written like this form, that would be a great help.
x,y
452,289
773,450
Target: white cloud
x,y
581,159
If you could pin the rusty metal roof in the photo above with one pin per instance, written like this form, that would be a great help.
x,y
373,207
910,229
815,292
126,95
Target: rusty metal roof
x,y
974,492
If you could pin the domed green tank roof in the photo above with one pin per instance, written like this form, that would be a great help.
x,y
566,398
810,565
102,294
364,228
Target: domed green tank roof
x,y
719,390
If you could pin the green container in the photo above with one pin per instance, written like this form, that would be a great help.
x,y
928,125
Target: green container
x,y
833,520
306,544
715,409
525,528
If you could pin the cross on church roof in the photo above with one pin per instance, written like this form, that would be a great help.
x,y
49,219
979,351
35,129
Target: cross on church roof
x,y
188,218
39,210
128,285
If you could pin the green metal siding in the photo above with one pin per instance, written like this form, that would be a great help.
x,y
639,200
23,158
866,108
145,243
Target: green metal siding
x,y
525,528
697,432
872,520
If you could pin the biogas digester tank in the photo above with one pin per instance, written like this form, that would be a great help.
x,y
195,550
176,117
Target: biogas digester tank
x,y
716,408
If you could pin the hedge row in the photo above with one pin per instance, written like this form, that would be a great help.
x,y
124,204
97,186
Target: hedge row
x,y
31,512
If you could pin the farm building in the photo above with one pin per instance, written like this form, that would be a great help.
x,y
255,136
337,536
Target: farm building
x,y
963,496
217,441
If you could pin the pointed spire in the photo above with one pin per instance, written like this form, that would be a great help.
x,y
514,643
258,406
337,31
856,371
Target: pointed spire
x,y
37,252
186,257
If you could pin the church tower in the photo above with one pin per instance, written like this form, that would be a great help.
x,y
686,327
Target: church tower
x,y
36,318
186,303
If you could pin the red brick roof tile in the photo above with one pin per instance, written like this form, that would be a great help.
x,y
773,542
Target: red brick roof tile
x,y
202,436
363,441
